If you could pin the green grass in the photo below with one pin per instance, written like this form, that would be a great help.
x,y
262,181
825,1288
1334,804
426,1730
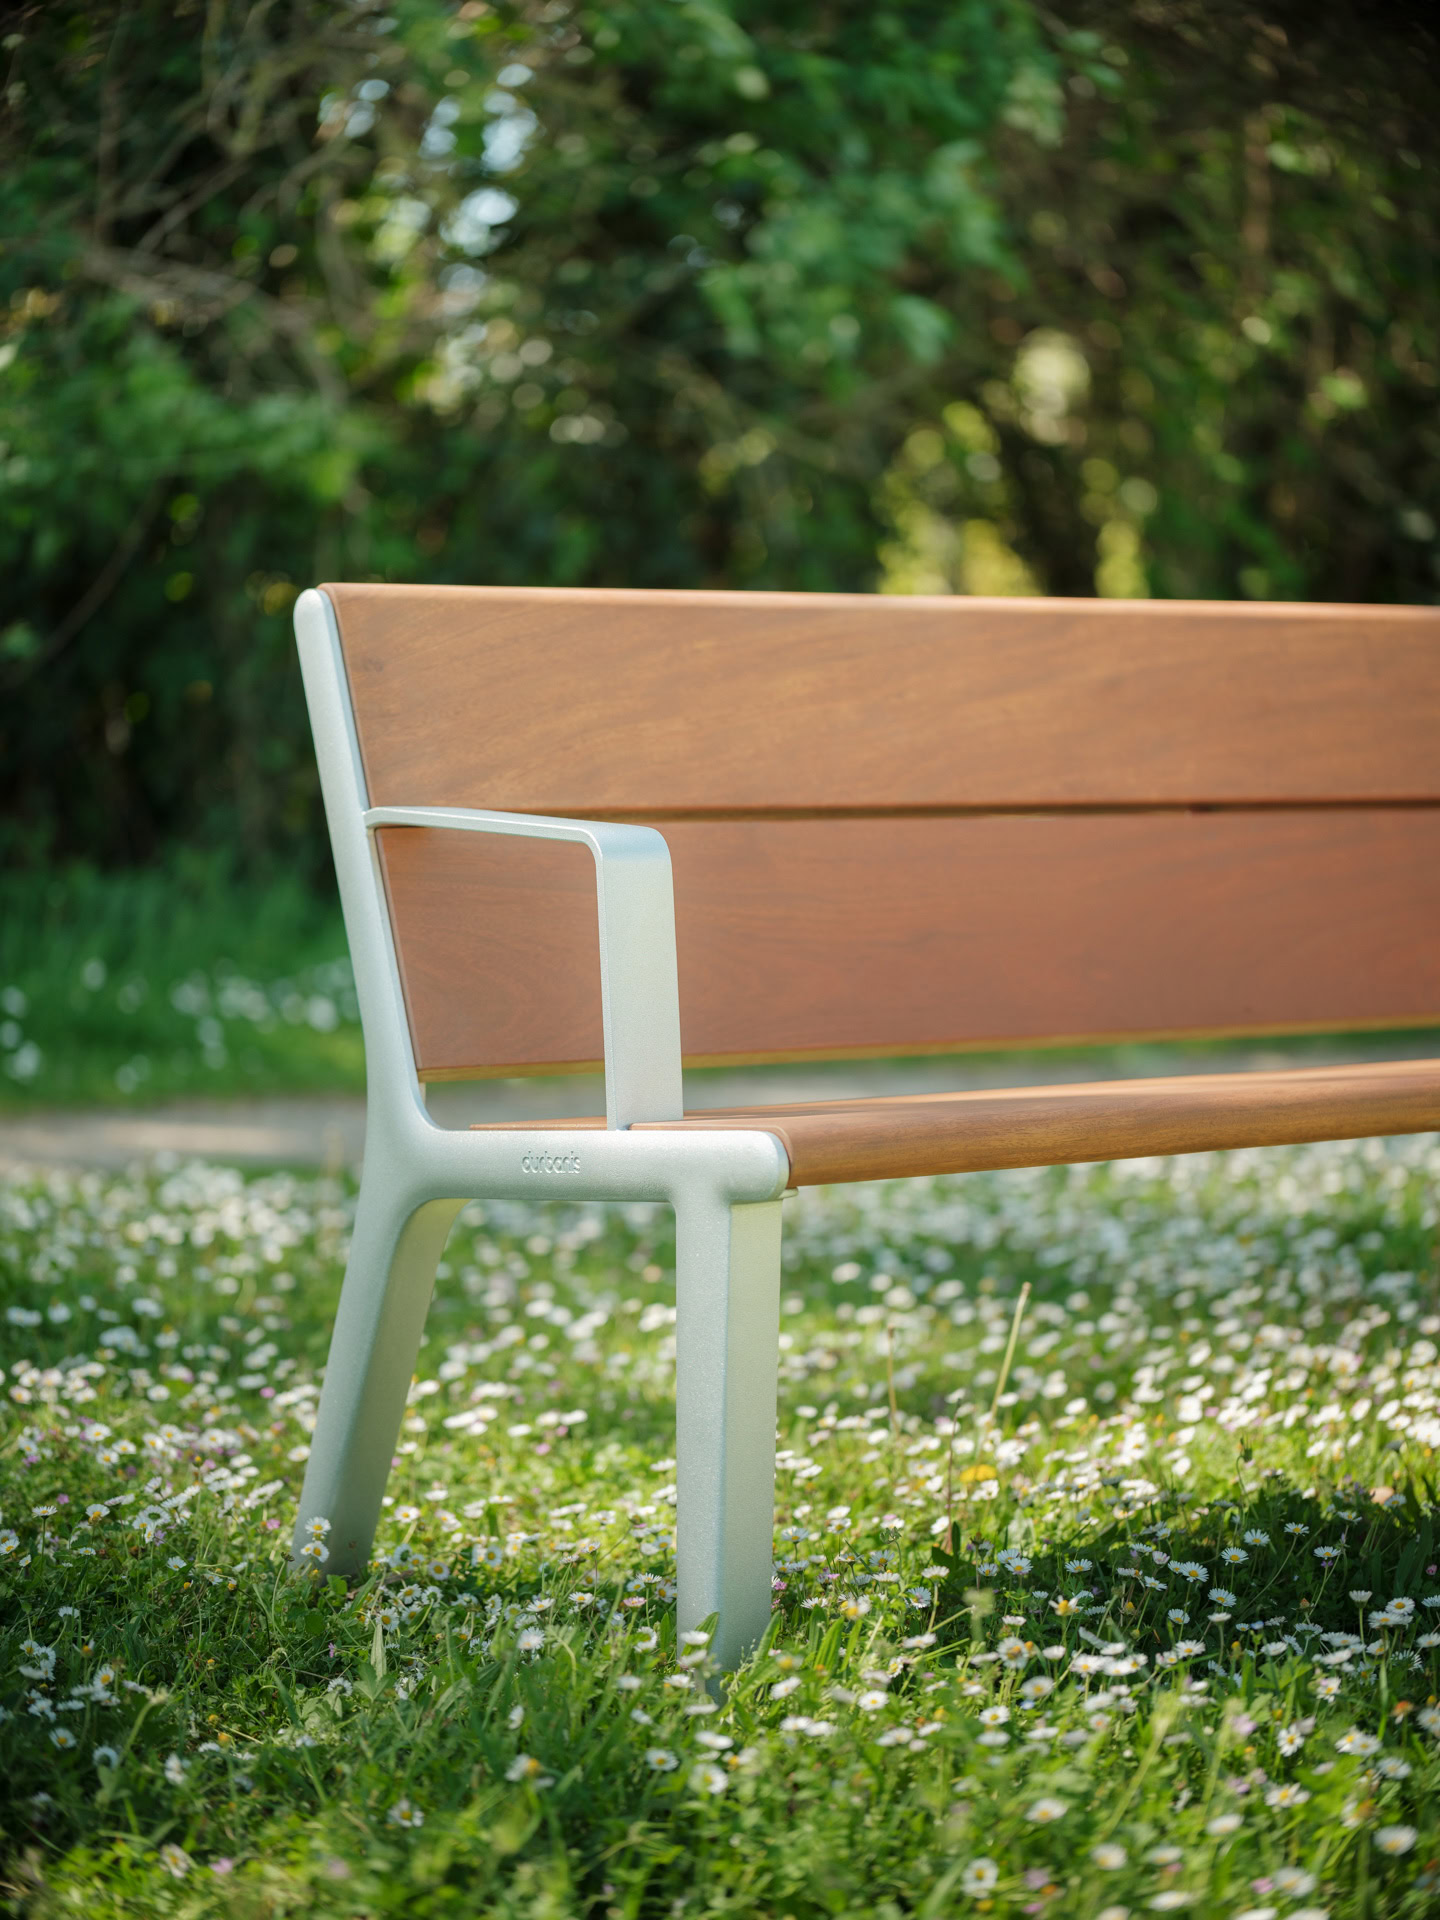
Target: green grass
x,y
1057,1717
129,988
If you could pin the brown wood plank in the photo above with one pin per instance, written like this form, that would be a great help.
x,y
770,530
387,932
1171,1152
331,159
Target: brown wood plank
x,y
498,941
603,703
833,1141
828,938
842,1140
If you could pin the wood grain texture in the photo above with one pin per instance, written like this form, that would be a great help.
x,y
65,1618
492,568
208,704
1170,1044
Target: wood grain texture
x,y
833,1141
827,938
498,940
836,1141
606,703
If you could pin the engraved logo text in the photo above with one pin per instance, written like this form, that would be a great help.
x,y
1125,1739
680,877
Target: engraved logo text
x,y
551,1163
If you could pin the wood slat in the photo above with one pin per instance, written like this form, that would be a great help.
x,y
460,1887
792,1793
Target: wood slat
x,y
606,703
498,941
837,1141
834,938
832,1141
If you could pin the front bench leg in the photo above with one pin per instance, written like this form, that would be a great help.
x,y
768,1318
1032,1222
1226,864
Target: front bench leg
x,y
727,1296
388,1282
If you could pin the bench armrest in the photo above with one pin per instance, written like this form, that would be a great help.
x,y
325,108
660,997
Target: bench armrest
x,y
639,990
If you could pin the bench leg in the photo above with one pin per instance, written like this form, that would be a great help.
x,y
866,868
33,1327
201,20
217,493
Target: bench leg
x,y
727,1352
383,1303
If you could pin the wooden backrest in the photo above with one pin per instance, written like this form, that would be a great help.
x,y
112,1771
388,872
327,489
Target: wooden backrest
x,y
903,825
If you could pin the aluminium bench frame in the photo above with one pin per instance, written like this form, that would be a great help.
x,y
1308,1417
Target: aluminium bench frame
x,y
725,1173
725,1188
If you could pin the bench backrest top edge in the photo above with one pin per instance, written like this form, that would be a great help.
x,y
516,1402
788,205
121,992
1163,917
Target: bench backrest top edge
x,y
604,701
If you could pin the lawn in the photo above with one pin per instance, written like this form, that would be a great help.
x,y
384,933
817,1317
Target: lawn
x,y
123,989
1182,1653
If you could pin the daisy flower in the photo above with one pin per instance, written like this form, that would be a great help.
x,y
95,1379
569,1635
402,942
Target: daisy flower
x,y
1286,1796
1293,1882
1395,1839
1044,1813
979,1877
1357,1742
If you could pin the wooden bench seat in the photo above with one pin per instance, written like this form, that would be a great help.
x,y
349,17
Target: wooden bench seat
x,y
634,830
833,1141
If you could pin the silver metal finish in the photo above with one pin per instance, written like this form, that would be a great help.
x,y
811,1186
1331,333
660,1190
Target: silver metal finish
x,y
388,1283
727,1326
725,1188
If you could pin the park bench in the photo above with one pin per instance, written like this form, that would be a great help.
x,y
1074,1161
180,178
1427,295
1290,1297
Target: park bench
x,y
894,826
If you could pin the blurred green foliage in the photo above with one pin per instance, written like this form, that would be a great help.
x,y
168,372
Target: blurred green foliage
x,y
132,987
924,295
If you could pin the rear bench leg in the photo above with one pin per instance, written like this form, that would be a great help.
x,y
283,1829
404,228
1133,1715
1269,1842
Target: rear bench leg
x,y
727,1351
383,1303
